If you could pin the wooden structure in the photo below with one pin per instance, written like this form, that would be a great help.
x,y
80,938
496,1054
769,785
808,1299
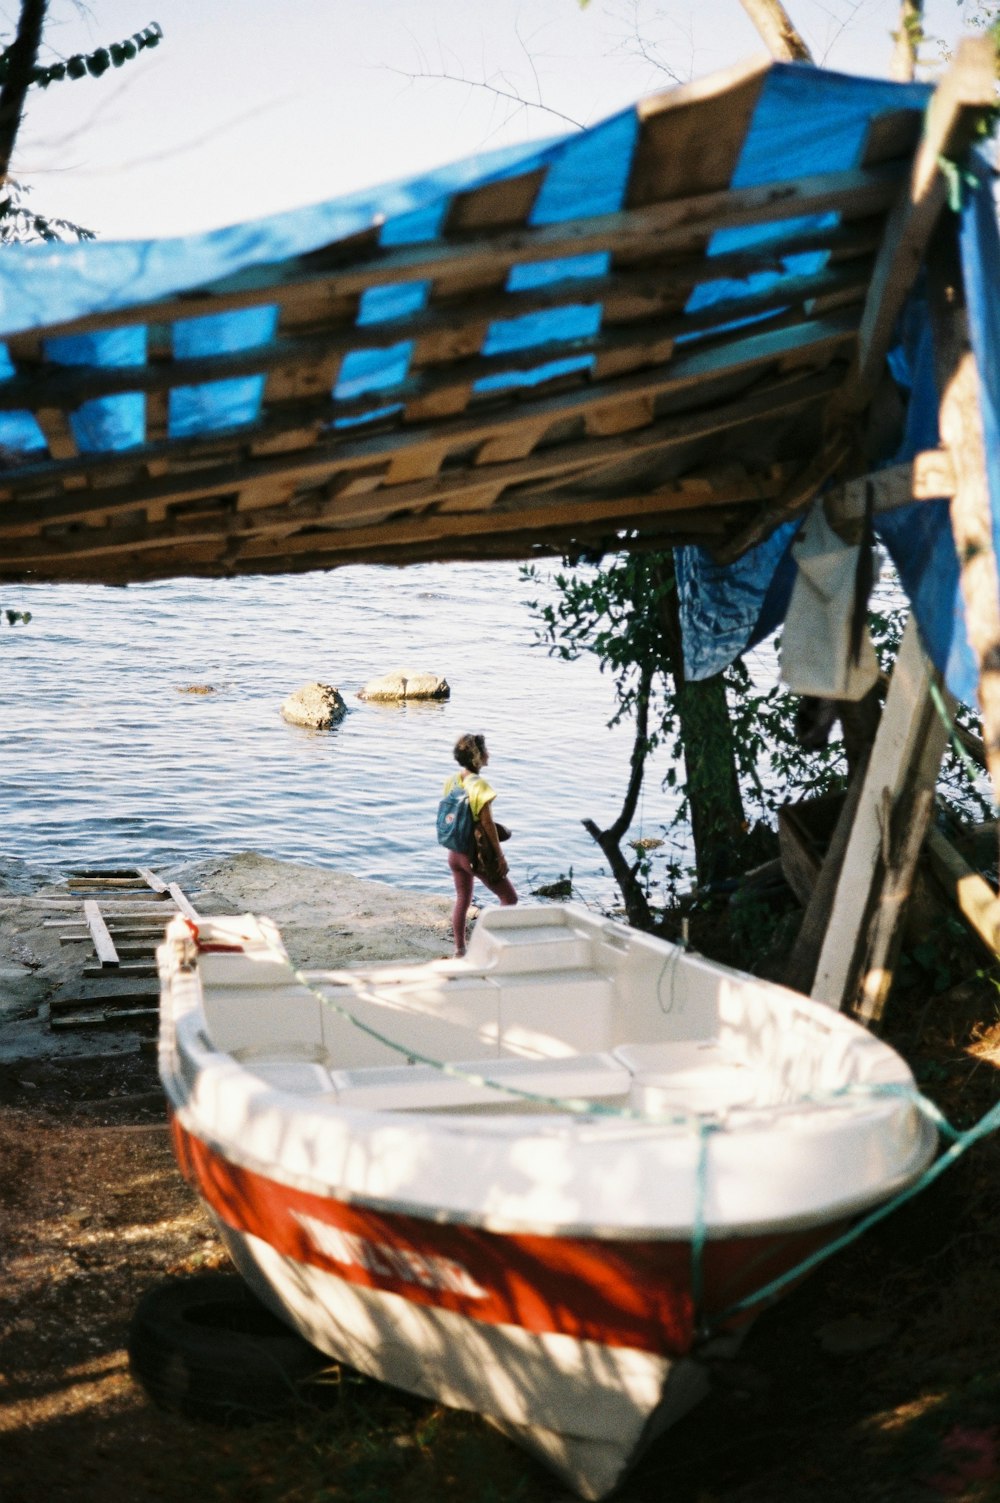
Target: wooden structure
x,y
616,404
667,420
125,911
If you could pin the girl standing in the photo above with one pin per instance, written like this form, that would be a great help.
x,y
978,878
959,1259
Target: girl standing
x,y
486,859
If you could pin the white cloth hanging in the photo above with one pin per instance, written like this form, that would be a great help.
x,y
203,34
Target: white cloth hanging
x,y
816,641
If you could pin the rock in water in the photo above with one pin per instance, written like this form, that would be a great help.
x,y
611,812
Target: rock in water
x,y
402,683
315,705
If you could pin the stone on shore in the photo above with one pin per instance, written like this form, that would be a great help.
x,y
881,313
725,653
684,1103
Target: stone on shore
x,y
402,683
317,706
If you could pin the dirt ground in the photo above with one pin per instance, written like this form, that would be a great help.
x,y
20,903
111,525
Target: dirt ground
x,y
878,1379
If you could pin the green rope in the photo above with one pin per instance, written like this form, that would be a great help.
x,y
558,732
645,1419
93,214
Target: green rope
x,y
988,1123
973,773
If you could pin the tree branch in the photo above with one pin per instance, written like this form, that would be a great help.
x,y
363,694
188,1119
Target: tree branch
x,y
779,34
907,39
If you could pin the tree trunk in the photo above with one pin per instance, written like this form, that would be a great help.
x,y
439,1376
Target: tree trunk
x,y
718,821
775,26
609,840
21,57
904,55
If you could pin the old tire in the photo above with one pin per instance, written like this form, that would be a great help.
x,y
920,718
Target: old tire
x,y
206,1347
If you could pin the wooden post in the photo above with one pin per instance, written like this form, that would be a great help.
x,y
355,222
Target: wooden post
x,y
904,759
971,515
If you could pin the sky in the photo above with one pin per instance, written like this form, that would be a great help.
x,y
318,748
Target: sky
x,y
244,110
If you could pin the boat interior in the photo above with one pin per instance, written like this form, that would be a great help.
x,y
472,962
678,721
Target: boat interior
x,y
551,1005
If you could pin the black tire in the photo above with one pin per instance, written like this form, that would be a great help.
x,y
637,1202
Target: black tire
x,y
206,1347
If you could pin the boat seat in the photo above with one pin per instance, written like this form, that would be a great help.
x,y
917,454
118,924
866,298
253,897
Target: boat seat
x,y
691,1075
424,1088
528,947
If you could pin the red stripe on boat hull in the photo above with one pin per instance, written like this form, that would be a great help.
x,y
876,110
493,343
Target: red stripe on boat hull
x,y
618,1293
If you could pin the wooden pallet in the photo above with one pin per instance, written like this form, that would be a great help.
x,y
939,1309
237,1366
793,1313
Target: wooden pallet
x,y
117,986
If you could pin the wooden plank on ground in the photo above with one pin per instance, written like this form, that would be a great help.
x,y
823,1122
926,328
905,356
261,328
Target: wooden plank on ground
x,y
144,1019
183,903
104,945
104,992
131,968
151,879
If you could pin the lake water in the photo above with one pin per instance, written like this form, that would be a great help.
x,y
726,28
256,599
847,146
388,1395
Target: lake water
x,y
104,761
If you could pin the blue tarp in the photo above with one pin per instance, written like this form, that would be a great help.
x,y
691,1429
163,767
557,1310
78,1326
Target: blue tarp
x,y
806,121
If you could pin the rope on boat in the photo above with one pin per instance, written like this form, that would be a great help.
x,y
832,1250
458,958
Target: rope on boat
x,y
988,1123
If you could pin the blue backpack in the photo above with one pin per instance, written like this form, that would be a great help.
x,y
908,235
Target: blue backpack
x,y
454,820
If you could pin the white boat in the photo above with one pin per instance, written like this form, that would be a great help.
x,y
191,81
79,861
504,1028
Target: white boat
x,y
626,1139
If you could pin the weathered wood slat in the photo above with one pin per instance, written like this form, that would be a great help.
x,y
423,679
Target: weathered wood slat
x,y
144,1019
679,225
957,107
769,397
152,880
690,137
973,895
910,737
302,358
822,339
184,905
104,945
108,992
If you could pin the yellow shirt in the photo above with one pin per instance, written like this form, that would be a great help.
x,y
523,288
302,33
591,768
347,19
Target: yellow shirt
x,y
479,791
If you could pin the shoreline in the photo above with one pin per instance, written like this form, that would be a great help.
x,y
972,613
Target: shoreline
x,y
327,919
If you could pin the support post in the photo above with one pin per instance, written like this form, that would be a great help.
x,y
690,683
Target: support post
x,y
961,429
904,761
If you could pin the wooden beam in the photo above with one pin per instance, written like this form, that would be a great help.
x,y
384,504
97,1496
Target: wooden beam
x,y
910,740
929,477
680,225
104,945
248,534
818,340
885,933
959,103
973,895
961,427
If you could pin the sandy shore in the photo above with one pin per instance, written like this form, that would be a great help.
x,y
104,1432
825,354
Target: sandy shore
x,y
327,918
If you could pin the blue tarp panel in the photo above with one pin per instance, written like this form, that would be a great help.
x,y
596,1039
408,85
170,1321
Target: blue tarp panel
x,y
806,121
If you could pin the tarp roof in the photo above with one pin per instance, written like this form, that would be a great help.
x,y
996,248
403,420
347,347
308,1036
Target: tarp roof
x,y
670,324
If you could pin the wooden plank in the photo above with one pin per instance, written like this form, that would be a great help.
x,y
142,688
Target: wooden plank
x,y
119,991
301,359
958,106
794,499
930,477
183,904
104,945
132,968
909,734
138,1019
690,138
819,340
679,225
497,205
961,428
152,880
973,895
800,968
768,398
885,934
